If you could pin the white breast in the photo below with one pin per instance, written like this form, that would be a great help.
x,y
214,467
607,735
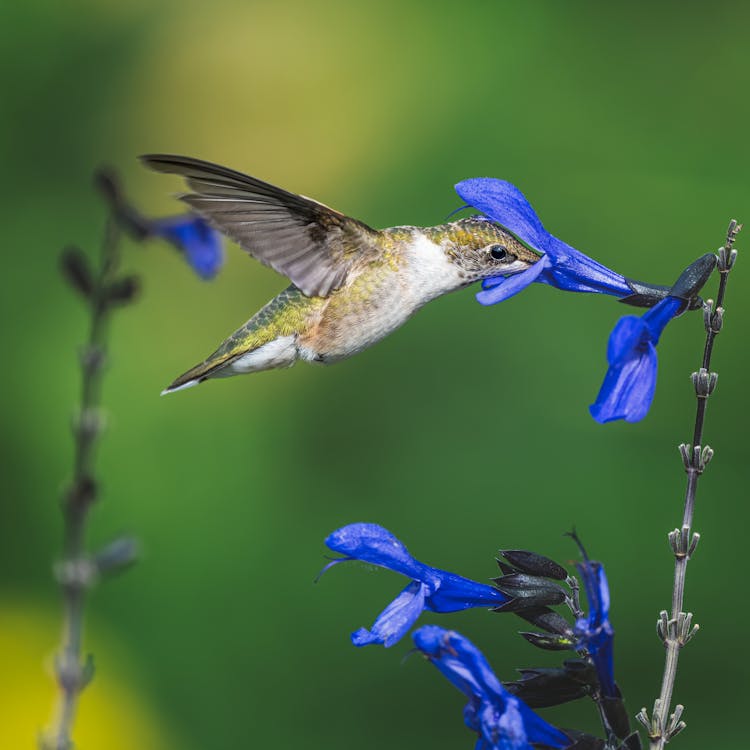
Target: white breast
x,y
356,321
430,271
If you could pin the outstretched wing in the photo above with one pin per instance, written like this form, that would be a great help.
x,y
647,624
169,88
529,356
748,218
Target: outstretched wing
x,y
311,244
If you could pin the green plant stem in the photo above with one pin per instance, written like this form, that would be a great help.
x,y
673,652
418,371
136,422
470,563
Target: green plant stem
x,y
676,629
76,572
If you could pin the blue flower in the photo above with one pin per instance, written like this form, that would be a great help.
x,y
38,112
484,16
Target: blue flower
x,y
431,589
195,239
502,721
628,388
561,265
595,632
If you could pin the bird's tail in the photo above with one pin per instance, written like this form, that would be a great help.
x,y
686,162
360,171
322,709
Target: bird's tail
x,y
265,342
208,368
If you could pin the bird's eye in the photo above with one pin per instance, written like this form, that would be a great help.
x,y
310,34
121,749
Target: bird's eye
x,y
498,252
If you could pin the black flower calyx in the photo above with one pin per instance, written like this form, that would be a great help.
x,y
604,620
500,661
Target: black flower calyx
x,y
529,591
533,564
644,295
545,687
617,715
547,619
549,642
693,278
583,741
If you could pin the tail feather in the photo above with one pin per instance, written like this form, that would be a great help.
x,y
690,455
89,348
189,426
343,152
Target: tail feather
x,y
181,387
199,373
266,341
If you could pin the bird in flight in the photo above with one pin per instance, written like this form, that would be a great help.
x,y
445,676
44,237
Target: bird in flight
x,y
351,286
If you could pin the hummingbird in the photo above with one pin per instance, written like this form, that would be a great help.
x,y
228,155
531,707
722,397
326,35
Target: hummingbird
x,y
351,286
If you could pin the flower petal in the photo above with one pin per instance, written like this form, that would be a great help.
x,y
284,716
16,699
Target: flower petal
x,y
506,730
506,204
595,632
373,544
597,590
628,333
395,621
630,382
575,272
466,653
628,389
570,269
454,593
471,719
432,641
499,288
196,239
658,316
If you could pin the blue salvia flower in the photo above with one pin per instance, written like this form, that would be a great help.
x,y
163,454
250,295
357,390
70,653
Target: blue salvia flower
x,y
561,266
430,589
199,243
628,388
502,721
595,632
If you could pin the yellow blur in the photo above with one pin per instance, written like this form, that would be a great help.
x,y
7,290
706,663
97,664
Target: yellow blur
x,y
111,714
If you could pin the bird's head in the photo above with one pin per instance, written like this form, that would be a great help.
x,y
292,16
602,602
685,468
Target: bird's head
x,y
481,249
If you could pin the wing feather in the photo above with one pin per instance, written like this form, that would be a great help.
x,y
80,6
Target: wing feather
x,y
312,244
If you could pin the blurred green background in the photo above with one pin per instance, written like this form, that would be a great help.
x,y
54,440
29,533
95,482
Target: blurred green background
x,y
467,430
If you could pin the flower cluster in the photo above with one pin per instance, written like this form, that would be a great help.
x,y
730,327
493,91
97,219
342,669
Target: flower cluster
x,y
529,586
628,388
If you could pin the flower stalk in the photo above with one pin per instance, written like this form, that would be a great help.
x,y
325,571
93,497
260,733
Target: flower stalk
x,y
78,570
677,628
